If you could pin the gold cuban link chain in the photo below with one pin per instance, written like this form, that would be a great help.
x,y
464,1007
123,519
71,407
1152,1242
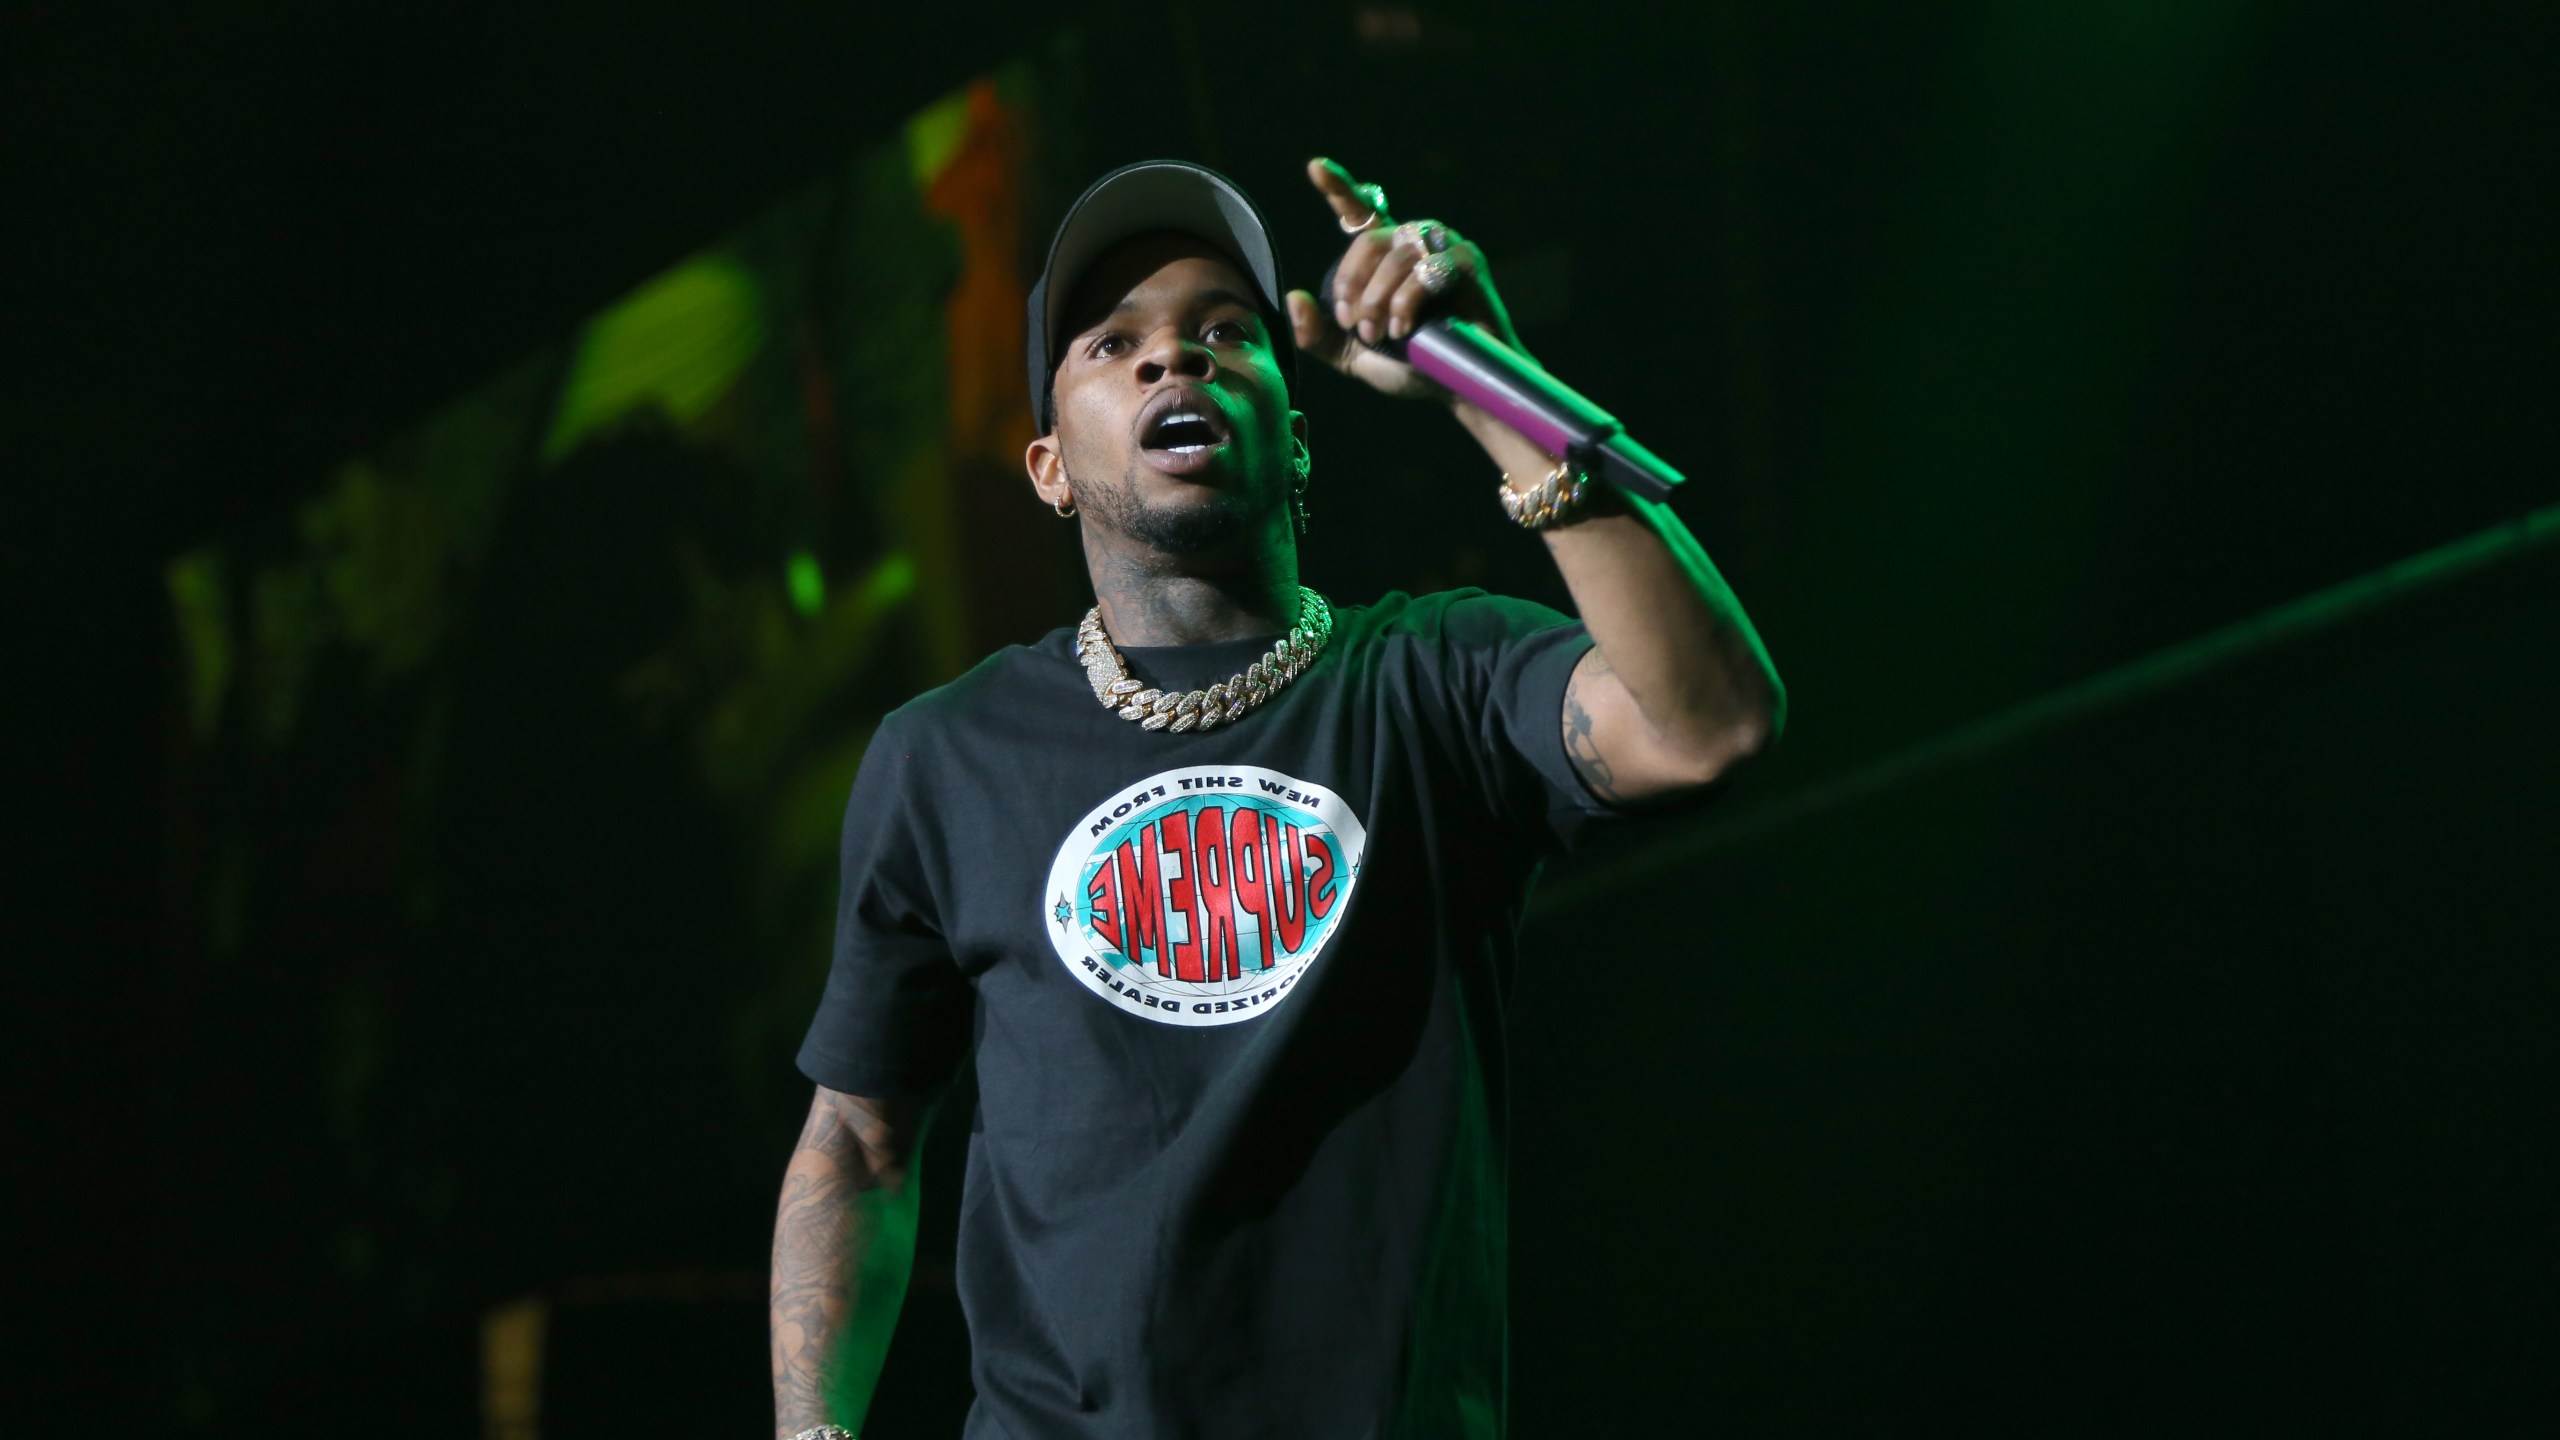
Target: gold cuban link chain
x,y
1221,704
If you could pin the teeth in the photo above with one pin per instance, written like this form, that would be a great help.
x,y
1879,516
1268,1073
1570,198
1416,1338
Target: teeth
x,y
1175,418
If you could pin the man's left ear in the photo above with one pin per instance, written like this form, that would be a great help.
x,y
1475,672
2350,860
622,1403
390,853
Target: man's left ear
x,y
1300,456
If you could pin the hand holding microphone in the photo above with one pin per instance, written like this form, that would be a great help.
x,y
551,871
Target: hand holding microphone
x,y
1375,295
1411,310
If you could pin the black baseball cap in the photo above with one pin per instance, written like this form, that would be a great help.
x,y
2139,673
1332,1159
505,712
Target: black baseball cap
x,y
1136,200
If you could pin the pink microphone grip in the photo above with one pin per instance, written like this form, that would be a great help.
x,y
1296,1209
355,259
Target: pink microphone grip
x,y
1434,354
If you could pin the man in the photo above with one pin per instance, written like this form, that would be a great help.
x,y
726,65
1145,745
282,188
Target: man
x,y
1221,886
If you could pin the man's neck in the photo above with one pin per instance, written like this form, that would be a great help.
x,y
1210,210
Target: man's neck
x,y
1147,600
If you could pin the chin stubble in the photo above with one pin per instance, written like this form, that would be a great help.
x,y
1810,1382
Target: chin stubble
x,y
1186,528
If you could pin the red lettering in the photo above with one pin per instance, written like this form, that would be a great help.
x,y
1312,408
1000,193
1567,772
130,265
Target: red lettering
x,y
1105,895
1320,891
1246,884
1286,885
1213,877
1179,909
1141,899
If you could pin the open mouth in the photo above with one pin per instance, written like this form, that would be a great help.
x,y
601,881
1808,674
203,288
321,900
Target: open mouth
x,y
1183,426
1182,433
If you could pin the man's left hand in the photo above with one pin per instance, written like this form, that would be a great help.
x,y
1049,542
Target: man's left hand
x,y
1390,277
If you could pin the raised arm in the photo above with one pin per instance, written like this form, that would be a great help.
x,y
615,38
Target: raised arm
x,y
1677,688
843,1240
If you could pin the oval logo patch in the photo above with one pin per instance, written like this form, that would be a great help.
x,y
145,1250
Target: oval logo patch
x,y
1199,896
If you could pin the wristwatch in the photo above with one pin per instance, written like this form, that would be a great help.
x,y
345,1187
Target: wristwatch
x,y
826,1432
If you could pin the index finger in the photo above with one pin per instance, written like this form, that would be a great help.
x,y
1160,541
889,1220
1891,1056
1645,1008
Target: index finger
x,y
1341,191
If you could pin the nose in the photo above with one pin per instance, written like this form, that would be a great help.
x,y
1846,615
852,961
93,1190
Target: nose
x,y
1170,352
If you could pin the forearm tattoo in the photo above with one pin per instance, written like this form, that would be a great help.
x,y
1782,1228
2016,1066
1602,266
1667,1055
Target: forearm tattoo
x,y
1580,745
816,1256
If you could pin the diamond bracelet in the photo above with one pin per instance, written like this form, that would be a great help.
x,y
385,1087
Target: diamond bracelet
x,y
1556,500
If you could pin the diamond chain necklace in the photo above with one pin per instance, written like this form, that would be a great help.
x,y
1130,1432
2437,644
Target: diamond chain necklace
x,y
1221,704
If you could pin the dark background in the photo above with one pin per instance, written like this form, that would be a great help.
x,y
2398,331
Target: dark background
x,y
2183,1068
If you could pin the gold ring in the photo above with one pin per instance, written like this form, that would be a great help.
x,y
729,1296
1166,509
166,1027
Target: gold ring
x,y
1373,196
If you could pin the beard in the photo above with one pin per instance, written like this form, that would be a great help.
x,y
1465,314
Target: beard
x,y
1192,527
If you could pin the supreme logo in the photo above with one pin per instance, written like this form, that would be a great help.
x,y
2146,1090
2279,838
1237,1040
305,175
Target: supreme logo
x,y
1199,896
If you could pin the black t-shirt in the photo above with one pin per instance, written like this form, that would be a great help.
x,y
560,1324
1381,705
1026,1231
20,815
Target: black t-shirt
x,y
1237,1005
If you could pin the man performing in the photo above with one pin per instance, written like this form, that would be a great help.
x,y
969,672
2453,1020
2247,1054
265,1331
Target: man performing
x,y
1221,888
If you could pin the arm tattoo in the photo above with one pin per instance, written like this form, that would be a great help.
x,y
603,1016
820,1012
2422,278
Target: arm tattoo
x,y
818,1234
1580,745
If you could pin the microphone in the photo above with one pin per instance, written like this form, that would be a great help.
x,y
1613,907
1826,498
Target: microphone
x,y
1479,368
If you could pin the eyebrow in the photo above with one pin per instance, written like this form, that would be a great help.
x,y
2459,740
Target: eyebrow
x,y
1206,299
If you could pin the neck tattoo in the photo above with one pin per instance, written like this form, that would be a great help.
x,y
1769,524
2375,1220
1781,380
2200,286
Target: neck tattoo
x,y
1224,703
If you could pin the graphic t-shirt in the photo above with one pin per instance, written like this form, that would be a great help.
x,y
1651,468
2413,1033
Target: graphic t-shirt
x,y
1236,1001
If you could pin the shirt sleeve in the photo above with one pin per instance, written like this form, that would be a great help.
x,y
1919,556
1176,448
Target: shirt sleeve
x,y
1517,656
896,1015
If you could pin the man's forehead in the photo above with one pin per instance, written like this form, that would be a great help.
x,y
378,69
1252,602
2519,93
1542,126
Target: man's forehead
x,y
1166,268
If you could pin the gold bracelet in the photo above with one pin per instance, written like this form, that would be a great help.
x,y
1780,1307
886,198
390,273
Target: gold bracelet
x,y
1556,500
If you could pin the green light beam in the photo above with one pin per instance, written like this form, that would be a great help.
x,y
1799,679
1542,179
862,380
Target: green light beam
x,y
2153,674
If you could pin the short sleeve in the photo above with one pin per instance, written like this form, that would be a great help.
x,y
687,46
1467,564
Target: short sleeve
x,y
1518,655
896,1014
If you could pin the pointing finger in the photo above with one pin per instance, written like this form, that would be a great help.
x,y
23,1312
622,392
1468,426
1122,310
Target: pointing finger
x,y
1352,201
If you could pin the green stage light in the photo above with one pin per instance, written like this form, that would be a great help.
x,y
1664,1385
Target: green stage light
x,y
807,583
